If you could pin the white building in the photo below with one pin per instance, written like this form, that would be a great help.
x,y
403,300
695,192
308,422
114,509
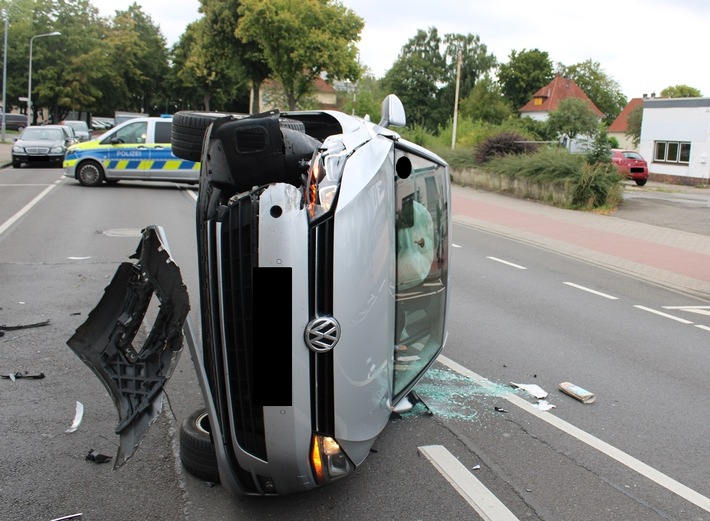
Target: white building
x,y
675,139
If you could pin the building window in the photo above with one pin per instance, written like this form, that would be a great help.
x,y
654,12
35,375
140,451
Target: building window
x,y
671,152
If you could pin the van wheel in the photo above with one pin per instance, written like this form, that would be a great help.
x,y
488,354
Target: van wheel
x,y
90,173
640,182
197,452
188,132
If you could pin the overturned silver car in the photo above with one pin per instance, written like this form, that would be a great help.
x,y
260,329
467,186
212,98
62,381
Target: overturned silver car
x,y
323,247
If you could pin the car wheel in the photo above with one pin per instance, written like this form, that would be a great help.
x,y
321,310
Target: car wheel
x,y
188,132
90,173
16,163
197,452
640,182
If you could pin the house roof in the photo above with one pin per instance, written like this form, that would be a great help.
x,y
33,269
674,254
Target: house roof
x,y
621,123
548,98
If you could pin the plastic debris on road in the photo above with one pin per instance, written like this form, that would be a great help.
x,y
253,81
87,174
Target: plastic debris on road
x,y
78,415
533,389
577,392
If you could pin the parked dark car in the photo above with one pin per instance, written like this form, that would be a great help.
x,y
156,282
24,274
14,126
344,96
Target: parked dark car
x,y
630,164
42,144
323,245
15,122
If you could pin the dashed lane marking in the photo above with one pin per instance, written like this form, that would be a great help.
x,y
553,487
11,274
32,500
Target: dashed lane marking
x,y
610,297
518,266
488,506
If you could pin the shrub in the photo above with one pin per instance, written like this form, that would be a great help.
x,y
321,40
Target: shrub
x,y
596,185
503,144
590,186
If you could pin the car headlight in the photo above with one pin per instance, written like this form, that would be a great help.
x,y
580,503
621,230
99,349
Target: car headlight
x,y
323,181
328,460
18,150
57,150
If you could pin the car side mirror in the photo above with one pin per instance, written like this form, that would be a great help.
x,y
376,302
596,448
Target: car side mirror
x,y
393,112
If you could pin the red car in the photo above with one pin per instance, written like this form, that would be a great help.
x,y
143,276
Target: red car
x,y
630,164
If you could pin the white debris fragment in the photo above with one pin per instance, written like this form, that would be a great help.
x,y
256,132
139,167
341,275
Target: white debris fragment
x,y
543,405
78,416
533,389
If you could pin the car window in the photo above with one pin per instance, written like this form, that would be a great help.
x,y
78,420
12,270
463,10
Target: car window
x,y
632,155
422,266
163,130
133,133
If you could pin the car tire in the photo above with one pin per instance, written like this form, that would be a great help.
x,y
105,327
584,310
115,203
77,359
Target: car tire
x,y
90,173
197,452
16,163
640,182
188,132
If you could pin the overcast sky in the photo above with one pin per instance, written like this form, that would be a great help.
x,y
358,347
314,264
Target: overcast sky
x,y
644,45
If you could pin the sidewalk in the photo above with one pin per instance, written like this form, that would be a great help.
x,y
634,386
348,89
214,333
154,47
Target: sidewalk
x,y
670,258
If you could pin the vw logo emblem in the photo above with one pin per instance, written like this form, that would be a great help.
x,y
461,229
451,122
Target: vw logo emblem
x,y
322,334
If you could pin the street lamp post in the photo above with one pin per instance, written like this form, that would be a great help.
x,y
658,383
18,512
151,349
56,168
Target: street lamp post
x,y
29,83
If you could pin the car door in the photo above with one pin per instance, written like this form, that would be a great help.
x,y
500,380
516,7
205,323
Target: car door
x,y
422,254
128,153
165,165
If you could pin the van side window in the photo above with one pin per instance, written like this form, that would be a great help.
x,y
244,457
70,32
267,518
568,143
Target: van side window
x,y
163,129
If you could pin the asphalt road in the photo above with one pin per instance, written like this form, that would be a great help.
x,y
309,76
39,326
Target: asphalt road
x,y
57,259
669,206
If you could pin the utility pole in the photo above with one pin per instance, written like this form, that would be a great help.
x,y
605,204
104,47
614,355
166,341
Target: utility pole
x,y
456,100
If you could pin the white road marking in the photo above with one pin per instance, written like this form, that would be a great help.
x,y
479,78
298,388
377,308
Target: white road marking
x,y
706,328
455,245
12,220
508,263
661,313
642,468
591,290
700,310
488,506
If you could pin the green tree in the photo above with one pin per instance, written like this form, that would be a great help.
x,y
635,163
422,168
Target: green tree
x,y
486,103
364,99
525,73
81,53
202,70
633,129
475,63
680,91
414,78
140,56
243,62
573,117
300,40
604,91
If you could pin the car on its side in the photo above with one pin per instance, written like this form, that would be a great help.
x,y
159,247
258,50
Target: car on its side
x,y
323,247
139,149
41,144
81,129
630,164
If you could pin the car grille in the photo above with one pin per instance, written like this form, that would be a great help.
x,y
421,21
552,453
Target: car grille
x,y
37,150
237,256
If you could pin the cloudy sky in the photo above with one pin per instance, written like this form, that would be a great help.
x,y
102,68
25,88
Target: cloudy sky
x,y
644,45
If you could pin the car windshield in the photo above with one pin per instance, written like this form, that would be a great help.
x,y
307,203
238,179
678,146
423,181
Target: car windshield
x,y
77,125
43,134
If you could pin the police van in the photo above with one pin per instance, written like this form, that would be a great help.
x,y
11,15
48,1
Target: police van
x,y
138,149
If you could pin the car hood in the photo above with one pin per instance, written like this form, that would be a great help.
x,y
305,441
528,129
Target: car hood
x,y
38,143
